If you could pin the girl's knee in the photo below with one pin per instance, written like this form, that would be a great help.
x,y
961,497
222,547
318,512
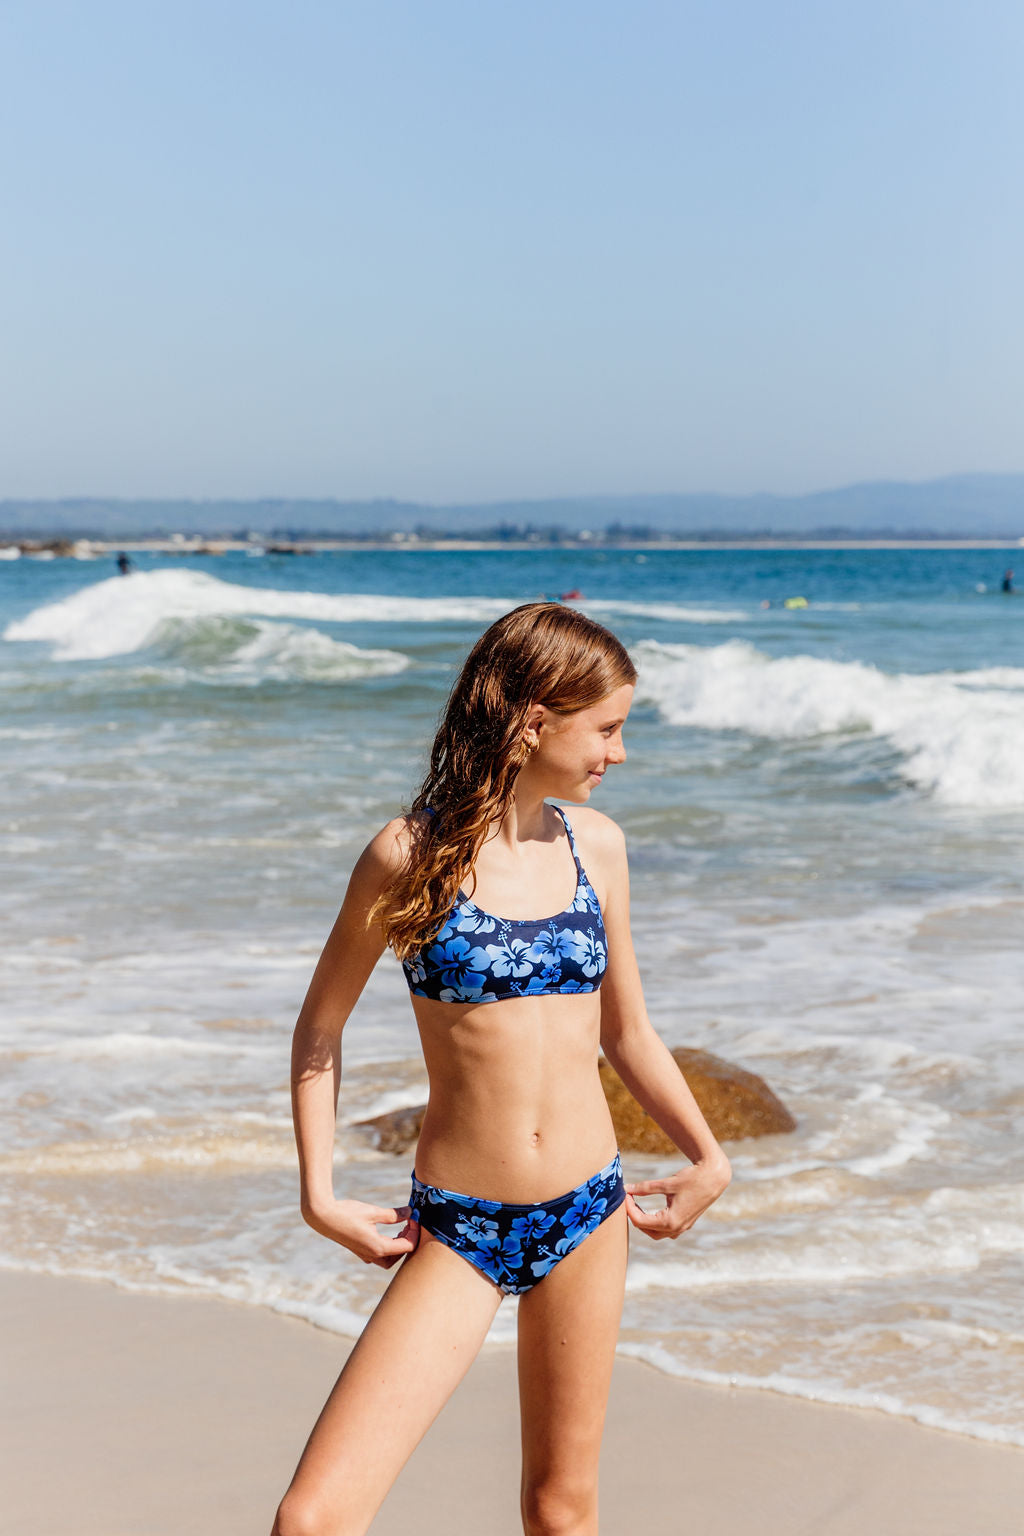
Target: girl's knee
x,y
556,1507
297,1517
299,1514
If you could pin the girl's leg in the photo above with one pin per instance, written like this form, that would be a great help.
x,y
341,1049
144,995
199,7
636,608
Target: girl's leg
x,y
568,1325
417,1346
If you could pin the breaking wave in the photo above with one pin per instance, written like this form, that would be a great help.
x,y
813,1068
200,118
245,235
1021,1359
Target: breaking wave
x,y
121,615
197,621
960,735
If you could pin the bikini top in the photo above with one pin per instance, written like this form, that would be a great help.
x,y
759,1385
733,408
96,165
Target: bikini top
x,y
477,958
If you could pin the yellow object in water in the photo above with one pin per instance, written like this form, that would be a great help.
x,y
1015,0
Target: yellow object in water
x,y
796,602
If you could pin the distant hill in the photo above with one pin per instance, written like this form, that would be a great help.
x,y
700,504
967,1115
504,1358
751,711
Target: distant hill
x,y
965,506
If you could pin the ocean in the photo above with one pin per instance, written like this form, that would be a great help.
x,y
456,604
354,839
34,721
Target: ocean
x,y
824,807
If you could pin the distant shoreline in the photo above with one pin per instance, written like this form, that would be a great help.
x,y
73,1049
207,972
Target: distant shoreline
x,y
207,547
982,510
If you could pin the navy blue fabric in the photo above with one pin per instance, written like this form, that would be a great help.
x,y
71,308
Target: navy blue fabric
x,y
477,958
517,1245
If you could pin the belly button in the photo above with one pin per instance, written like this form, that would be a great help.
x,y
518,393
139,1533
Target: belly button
x,y
535,1138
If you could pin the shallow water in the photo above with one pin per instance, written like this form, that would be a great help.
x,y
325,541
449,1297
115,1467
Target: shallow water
x,y
824,809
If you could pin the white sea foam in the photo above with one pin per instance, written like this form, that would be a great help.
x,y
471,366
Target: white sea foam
x,y
960,735
243,650
865,1241
119,615
817,1391
126,1046
669,612
389,1102
150,1153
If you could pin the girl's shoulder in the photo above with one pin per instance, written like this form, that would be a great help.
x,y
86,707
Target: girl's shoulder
x,y
386,852
598,837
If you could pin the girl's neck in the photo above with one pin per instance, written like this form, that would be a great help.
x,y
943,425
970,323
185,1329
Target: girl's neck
x,y
525,821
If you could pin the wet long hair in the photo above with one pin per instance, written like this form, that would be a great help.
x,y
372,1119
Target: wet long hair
x,y
540,653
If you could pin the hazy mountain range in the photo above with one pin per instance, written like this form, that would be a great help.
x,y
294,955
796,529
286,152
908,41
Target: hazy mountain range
x,y
966,506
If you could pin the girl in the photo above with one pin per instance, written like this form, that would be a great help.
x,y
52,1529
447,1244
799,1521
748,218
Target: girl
x,y
517,1187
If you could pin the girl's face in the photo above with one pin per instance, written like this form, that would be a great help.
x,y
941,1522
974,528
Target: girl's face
x,y
575,751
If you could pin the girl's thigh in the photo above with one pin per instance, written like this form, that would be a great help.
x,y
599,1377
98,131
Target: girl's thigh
x,y
568,1327
417,1346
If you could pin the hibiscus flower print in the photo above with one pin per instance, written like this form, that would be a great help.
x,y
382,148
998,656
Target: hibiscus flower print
x,y
479,1231
510,958
587,951
472,920
458,964
583,1216
551,946
533,1226
546,981
415,970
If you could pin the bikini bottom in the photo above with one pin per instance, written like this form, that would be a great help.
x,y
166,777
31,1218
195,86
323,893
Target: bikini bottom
x,y
517,1245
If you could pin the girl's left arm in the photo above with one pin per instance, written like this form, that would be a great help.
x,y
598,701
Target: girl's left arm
x,y
644,1063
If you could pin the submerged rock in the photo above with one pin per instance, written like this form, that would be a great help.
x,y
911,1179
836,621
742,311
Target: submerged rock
x,y
736,1104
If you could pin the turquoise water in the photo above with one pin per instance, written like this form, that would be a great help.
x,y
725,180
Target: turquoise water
x,y
824,808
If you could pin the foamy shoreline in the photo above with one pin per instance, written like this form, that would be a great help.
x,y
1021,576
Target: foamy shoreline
x,y
180,1416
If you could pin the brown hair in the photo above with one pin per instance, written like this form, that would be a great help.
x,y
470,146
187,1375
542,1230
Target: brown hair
x,y
540,653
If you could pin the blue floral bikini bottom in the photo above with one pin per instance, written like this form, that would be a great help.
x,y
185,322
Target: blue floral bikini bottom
x,y
517,1245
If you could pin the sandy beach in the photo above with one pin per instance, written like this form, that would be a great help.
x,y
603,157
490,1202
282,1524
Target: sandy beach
x,y
139,1415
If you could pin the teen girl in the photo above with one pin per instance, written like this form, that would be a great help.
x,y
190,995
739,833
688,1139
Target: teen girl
x,y
517,1186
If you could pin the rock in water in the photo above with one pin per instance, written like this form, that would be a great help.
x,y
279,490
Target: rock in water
x,y
396,1131
734,1102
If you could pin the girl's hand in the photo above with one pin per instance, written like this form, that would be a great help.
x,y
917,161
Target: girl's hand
x,y
355,1226
687,1196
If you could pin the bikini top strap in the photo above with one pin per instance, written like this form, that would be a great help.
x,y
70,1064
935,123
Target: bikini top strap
x,y
572,841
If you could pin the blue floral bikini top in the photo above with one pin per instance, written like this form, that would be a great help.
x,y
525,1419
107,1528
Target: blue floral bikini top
x,y
477,958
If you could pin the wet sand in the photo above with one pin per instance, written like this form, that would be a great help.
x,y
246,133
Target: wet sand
x,y
135,1415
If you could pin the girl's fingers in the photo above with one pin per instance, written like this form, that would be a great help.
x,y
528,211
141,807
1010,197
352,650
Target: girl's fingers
x,y
654,1224
645,1220
650,1187
635,1214
652,1220
400,1245
385,1216
392,1249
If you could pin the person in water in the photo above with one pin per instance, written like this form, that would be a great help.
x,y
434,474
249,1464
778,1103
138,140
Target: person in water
x,y
1008,581
517,1187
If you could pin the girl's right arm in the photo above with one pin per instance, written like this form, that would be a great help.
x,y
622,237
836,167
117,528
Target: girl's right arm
x,y
350,954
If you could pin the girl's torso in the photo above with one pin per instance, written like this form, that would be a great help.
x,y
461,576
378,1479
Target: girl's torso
x,y
509,1016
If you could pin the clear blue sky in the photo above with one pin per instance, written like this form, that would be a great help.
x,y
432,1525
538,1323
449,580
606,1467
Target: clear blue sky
x,y
470,251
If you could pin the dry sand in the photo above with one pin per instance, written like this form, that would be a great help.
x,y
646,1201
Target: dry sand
x,y
137,1415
